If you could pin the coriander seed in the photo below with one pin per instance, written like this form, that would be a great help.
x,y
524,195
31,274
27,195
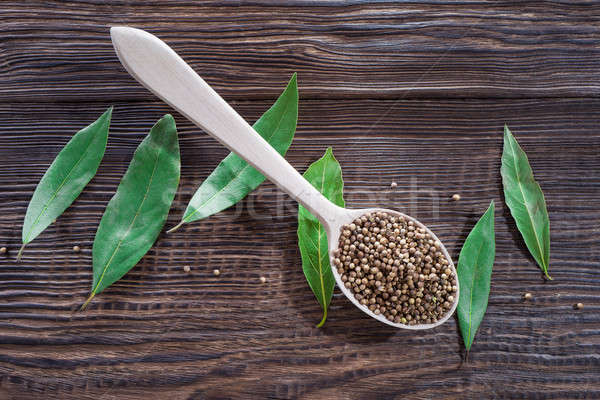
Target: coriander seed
x,y
186,268
528,296
456,197
3,250
579,306
393,185
394,267
216,272
76,249
263,279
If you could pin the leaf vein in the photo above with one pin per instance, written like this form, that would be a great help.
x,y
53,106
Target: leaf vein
x,y
130,225
58,189
236,177
519,184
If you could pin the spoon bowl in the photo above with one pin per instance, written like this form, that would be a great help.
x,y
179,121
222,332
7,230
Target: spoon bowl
x,y
156,66
333,227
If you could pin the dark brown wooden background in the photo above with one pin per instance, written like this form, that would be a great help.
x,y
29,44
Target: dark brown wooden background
x,y
413,92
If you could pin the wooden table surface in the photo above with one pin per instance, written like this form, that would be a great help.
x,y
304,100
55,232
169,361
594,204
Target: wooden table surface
x,y
412,92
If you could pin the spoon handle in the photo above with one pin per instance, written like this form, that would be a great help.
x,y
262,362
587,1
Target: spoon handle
x,y
156,66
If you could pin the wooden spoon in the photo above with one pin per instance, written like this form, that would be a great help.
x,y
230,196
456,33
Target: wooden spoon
x,y
156,66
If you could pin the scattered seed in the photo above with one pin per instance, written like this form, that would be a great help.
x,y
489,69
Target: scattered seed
x,y
393,185
76,249
263,279
579,306
528,296
394,267
216,272
456,197
3,250
187,268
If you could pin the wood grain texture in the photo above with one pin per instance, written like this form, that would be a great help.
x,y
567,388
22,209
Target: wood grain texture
x,y
163,333
160,330
61,49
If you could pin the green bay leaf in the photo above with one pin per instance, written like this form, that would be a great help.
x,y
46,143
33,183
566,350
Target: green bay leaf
x,y
526,202
474,275
70,172
137,212
234,178
324,174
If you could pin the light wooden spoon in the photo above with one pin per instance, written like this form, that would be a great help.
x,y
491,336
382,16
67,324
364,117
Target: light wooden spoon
x,y
156,66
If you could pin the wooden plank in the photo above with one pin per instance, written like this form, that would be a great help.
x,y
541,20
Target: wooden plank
x,y
161,331
52,50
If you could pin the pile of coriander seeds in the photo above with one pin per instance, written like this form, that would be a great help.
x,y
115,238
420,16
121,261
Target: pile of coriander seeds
x,y
396,269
